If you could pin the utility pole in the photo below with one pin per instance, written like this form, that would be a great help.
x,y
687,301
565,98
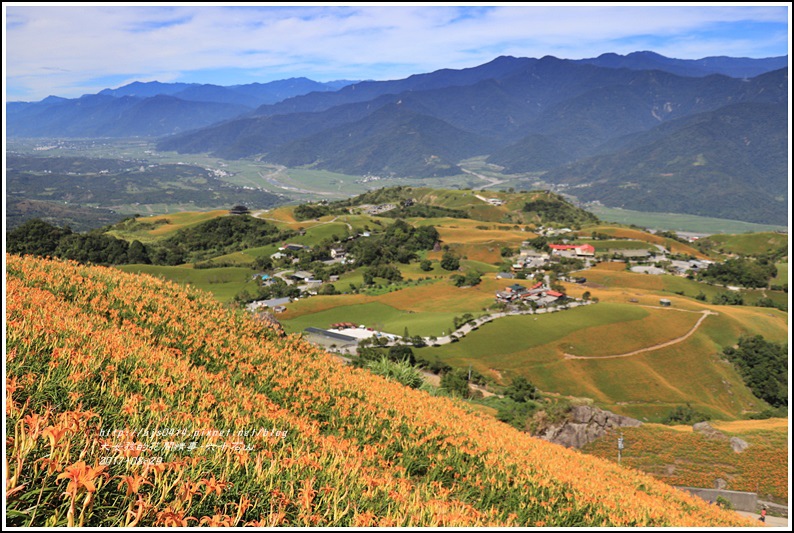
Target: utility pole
x,y
469,373
620,446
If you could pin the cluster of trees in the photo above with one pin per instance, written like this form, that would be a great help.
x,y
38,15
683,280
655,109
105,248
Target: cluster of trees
x,y
36,237
277,288
684,414
727,298
553,208
399,242
215,237
471,279
764,367
387,272
220,236
309,211
424,211
450,261
540,243
740,271
524,408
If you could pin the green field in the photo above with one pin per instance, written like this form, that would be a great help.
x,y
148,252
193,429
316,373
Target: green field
x,y
223,283
508,343
782,273
679,222
750,244
377,316
648,384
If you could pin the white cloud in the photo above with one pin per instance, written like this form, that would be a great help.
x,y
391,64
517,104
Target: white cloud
x,y
60,50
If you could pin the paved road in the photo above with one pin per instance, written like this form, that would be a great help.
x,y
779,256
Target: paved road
x,y
467,328
772,521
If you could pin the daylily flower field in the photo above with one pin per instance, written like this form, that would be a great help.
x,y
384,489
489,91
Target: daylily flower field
x,y
135,402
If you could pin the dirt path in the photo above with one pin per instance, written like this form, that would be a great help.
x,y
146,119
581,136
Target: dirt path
x,y
650,348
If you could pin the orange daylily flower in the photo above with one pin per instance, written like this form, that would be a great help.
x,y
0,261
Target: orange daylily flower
x,y
81,475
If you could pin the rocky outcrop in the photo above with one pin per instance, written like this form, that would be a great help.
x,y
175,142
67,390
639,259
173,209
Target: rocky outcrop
x,y
585,425
271,321
708,431
739,445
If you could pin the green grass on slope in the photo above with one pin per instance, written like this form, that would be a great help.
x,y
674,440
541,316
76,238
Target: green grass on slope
x,y
224,283
377,316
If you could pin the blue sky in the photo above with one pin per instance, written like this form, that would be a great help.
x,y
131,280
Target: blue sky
x,y
74,50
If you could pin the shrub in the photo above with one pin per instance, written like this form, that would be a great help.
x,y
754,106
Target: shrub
x,y
402,372
684,415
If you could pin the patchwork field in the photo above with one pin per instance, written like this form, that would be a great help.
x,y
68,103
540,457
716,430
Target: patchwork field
x,y
679,456
426,309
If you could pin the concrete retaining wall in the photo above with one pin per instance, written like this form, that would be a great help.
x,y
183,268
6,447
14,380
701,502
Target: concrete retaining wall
x,y
741,501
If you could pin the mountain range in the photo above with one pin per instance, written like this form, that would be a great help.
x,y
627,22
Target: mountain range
x,y
150,109
590,124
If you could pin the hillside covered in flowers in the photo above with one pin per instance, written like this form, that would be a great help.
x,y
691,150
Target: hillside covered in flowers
x,y
133,401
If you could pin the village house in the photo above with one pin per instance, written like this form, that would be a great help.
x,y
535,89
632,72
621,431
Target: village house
x,y
579,250
293,247
273,303
517,292
337,252
303,276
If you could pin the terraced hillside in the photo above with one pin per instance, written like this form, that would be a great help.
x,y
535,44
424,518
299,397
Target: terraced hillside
x,y
219,420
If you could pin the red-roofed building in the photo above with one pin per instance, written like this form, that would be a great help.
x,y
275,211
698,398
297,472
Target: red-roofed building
x,y
554,294
585,249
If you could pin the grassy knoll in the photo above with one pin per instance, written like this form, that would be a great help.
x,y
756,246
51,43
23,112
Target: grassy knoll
x,y
151,229
477,262
688,458
468,235
679,222
224,283
749,243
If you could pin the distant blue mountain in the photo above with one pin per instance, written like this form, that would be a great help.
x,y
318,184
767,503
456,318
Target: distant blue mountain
x,y
149,109
734,67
